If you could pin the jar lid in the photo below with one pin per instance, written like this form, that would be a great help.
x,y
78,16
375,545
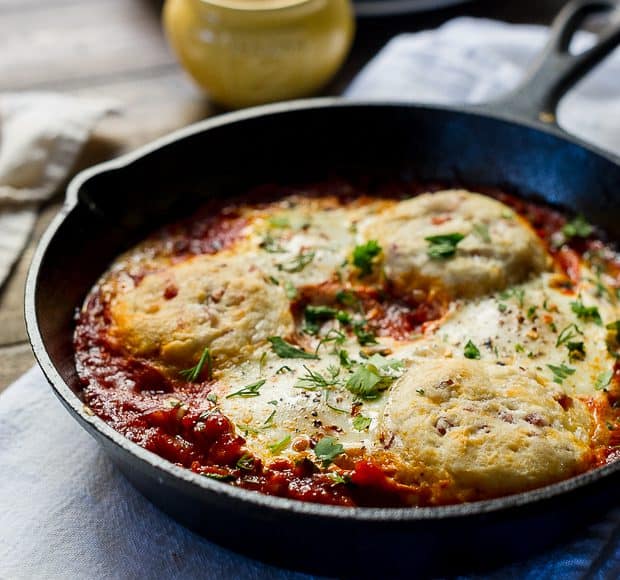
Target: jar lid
x,y
256,4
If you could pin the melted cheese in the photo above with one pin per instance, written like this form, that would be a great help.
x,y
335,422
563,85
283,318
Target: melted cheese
x,y
221,302
499,428
482,428
498,247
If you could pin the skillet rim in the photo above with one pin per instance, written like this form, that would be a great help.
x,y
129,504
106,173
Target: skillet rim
x,y
147,459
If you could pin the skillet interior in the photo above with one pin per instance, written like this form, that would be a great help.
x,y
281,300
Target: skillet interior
x,y
119,202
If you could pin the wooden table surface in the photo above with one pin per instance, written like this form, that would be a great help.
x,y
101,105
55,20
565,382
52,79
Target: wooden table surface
x,y
116,49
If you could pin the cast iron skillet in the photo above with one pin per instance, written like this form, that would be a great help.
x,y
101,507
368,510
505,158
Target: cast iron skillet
x,y
514,143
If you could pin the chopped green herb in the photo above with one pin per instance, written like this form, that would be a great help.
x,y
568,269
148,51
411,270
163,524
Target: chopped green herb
x,y
261,363
471,350
560,372
576,351
338,478
212,398
327,449
587,313
280,445
502,307
366,382
314,315
298,263
314,380
245,462
364,336
279,222
247,429
531,313
274,281
603,380
291,291
192,374
443,246
332,407
519,348
389,366
482,231
271,245
345,361
284,369
567,334
219,476
420,391
371,378
614,326
364,255
361,423
252,390
285,350
517,293
334,336
268,422
601,289
347,298
577,228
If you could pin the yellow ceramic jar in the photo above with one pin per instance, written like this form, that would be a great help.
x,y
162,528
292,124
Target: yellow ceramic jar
x,y
247,52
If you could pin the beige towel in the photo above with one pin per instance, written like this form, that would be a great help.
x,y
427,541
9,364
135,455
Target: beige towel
x,y
41,136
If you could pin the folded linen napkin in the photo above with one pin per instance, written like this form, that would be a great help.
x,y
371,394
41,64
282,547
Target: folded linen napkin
x,y
66,512
41,135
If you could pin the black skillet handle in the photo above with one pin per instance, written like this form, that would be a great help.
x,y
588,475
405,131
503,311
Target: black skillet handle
x,y
557,70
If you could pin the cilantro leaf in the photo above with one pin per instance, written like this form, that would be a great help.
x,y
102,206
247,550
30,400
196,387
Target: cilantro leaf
x,y
471,350
577,228
603,380
587,313
327,449
285,350
361,423
366,382
443,246
560,372
364,255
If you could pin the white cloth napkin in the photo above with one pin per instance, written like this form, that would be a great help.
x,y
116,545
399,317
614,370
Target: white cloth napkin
x,y
472,60
65,512
41,135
